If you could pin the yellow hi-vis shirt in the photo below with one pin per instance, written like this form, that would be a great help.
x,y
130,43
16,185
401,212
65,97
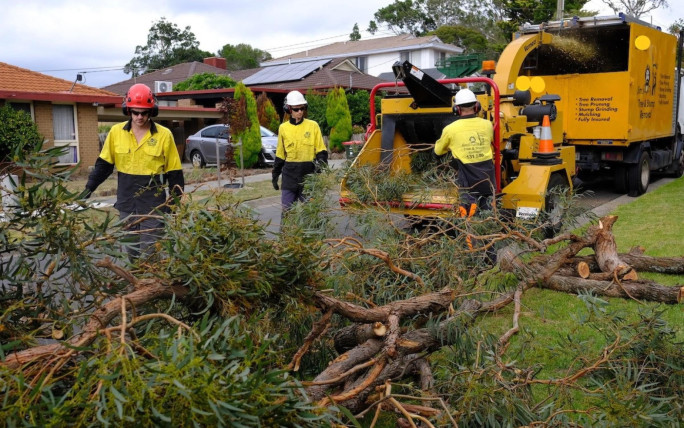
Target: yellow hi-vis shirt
x,y
143,169
469,140
299,143
156,154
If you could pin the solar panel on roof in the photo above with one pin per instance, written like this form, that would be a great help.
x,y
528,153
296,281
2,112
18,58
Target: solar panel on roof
x,y
284,72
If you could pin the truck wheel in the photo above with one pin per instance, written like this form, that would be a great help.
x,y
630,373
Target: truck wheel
x,y
620,179
556,190
679,168
639,175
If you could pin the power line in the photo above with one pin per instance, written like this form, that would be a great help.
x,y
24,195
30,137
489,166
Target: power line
x,y
86,69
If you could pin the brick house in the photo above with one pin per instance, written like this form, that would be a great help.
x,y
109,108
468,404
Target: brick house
x,y
185,112
65,112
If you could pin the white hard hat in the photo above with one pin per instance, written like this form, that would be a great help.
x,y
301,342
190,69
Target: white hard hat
x,y
295,98
464,96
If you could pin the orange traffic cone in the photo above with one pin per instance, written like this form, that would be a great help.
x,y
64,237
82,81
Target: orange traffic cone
x,y
546,139
546,149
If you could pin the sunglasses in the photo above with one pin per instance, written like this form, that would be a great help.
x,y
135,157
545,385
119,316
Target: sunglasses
x,y
140,113
297,108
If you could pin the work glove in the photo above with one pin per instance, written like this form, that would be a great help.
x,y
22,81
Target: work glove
x,y
321,161
275,183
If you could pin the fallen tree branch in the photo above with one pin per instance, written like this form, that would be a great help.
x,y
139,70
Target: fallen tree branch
x,y
319,328
641,290
97,321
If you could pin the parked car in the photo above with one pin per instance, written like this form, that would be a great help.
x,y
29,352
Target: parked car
x,y
200,147
269,143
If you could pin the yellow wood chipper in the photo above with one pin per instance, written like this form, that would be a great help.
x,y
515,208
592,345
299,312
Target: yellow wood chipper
x,y
610,87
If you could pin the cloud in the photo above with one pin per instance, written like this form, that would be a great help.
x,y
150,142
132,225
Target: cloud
x,y
77,35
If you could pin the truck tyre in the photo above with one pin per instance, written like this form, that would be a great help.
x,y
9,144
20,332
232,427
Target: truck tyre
x,y
638,175
679,167
620,179
556,190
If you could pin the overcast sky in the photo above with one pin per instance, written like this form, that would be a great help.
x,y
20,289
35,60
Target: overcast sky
x,y
64,37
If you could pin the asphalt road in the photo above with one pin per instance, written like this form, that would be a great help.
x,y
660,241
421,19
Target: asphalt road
x,y
599,197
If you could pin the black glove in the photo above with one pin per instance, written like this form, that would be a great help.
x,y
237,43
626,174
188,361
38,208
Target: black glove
x,y
321,161
275,183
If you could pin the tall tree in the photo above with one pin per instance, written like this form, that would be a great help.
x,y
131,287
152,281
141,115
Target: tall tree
x,y
246,128
243,56
407,16
676,27
339,119
268,116
533,11
636,8
355,34
469,39
372,27
166,45
420,17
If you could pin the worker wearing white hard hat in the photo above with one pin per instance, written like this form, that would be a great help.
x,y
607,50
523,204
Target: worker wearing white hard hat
x,y
300,152
469,139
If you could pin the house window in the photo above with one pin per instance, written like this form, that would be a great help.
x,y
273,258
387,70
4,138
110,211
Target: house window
x,y
22,106
442,57
64,130
362,63
404,56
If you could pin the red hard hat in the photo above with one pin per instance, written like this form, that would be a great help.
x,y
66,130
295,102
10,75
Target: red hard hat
x,y
140,96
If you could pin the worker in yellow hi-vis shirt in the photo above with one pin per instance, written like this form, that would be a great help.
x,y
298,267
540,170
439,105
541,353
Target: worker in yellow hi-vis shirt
x,y
469,139
146,159
300,151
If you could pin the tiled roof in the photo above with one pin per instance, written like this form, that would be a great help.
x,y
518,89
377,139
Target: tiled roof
x,y
17,79
176,73
354,48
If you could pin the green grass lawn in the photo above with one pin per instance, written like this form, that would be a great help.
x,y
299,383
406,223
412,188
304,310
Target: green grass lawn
x,y
553,326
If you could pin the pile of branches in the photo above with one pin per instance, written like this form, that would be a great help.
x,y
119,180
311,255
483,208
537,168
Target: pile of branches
x,y
196,332
376,350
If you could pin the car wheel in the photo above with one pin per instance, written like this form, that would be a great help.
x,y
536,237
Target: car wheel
x,y
197,159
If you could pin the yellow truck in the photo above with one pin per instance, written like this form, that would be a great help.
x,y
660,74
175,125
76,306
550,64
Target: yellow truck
x,y
618,80
610,87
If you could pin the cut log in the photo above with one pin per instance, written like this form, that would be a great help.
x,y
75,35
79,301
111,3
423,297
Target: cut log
x,y
642,263
583,270
640,290
351,335
606,251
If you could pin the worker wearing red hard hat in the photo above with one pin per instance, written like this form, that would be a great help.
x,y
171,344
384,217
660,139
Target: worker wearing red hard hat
x,y
146,159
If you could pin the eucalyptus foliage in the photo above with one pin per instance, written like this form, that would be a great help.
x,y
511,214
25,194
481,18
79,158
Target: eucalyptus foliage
x,y
217,354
